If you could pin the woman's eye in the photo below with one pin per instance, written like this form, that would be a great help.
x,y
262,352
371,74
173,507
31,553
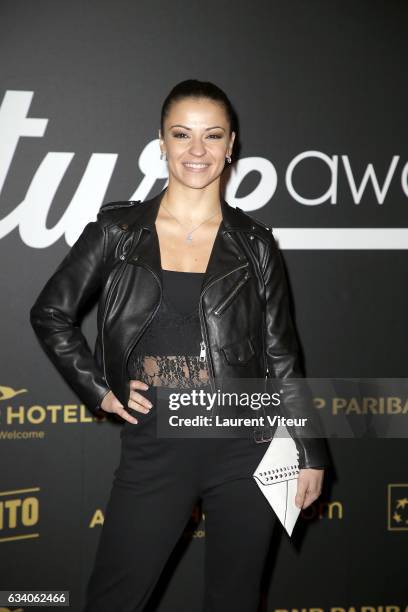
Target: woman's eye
x,y
182,134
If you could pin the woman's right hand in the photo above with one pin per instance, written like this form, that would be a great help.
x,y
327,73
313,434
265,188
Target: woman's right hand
x,y
110,402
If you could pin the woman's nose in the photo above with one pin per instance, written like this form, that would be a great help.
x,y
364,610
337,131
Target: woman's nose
x,y
197,147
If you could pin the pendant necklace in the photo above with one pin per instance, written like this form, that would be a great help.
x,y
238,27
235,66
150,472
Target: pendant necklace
x,y
189,236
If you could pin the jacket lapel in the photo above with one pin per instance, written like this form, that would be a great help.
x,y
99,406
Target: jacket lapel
x,y
226,253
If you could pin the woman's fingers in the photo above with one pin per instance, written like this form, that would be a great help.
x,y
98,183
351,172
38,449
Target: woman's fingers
x,y
136,400
111,404
138,384
309,486
126,416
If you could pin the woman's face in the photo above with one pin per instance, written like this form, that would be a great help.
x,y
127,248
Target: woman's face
x,y
196,140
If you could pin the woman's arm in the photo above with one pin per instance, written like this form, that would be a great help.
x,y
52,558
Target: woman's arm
x,y
282,351
54,315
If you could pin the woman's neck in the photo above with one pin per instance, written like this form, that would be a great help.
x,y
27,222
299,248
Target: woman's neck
x,y
192,205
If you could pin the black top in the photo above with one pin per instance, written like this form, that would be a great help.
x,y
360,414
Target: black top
x,y
167,353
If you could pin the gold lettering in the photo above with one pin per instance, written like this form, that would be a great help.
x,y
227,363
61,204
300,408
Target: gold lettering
x,y
395,405
53,413
15,413
84,415
71,413
330,510
11,506
353,406
338,404
55,410
30,511
370,405
31,414
97,518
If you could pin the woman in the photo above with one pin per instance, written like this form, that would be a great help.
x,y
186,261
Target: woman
x,y
191,291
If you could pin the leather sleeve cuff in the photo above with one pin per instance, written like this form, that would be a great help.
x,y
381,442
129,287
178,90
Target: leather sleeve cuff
x,y
98,410
313,453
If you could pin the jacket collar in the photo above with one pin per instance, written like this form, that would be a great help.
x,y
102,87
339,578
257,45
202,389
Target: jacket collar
x,y
226,254
232,218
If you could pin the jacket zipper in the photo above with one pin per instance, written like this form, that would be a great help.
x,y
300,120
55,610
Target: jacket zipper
x,y
114,283
220,309
202,351
146,323
204,342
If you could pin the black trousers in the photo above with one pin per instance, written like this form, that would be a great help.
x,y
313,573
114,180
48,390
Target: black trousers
x,y
155,488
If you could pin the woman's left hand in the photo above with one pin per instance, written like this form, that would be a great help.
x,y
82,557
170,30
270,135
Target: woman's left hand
x,y
309,486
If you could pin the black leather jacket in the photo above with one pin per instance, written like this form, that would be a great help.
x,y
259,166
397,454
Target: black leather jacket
x,y
244,314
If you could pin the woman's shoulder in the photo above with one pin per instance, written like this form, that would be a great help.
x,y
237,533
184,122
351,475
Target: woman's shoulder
x,y
112,212
119,204
255,225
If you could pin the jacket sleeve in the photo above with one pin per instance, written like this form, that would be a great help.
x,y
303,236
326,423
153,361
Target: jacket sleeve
x,y
55,313
282,354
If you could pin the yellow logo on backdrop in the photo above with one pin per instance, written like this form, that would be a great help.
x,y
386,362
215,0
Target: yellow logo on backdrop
x,y
397,507
8,392
364,405
19,514
97,519
37,414
191,528
52,413
322,509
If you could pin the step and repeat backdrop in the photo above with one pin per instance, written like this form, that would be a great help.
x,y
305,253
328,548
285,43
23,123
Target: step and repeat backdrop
x,y
321,95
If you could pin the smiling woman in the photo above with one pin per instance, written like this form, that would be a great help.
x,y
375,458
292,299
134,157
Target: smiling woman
x,y
197,133
192,292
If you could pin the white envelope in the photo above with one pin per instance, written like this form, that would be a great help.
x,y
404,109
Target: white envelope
x,y
277,476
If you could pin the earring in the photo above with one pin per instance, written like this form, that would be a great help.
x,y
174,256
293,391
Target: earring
x,y
228,158
165,156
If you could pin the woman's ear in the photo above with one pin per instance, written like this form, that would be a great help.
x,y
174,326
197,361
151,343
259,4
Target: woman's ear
x,y
231,142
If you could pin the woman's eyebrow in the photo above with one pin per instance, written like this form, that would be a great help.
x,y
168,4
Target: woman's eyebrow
x,y
206,129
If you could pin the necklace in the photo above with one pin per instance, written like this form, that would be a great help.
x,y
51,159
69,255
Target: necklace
x,y
189,236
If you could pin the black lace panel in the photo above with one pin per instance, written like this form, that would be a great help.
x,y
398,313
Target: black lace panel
x,y
180,371
167,354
